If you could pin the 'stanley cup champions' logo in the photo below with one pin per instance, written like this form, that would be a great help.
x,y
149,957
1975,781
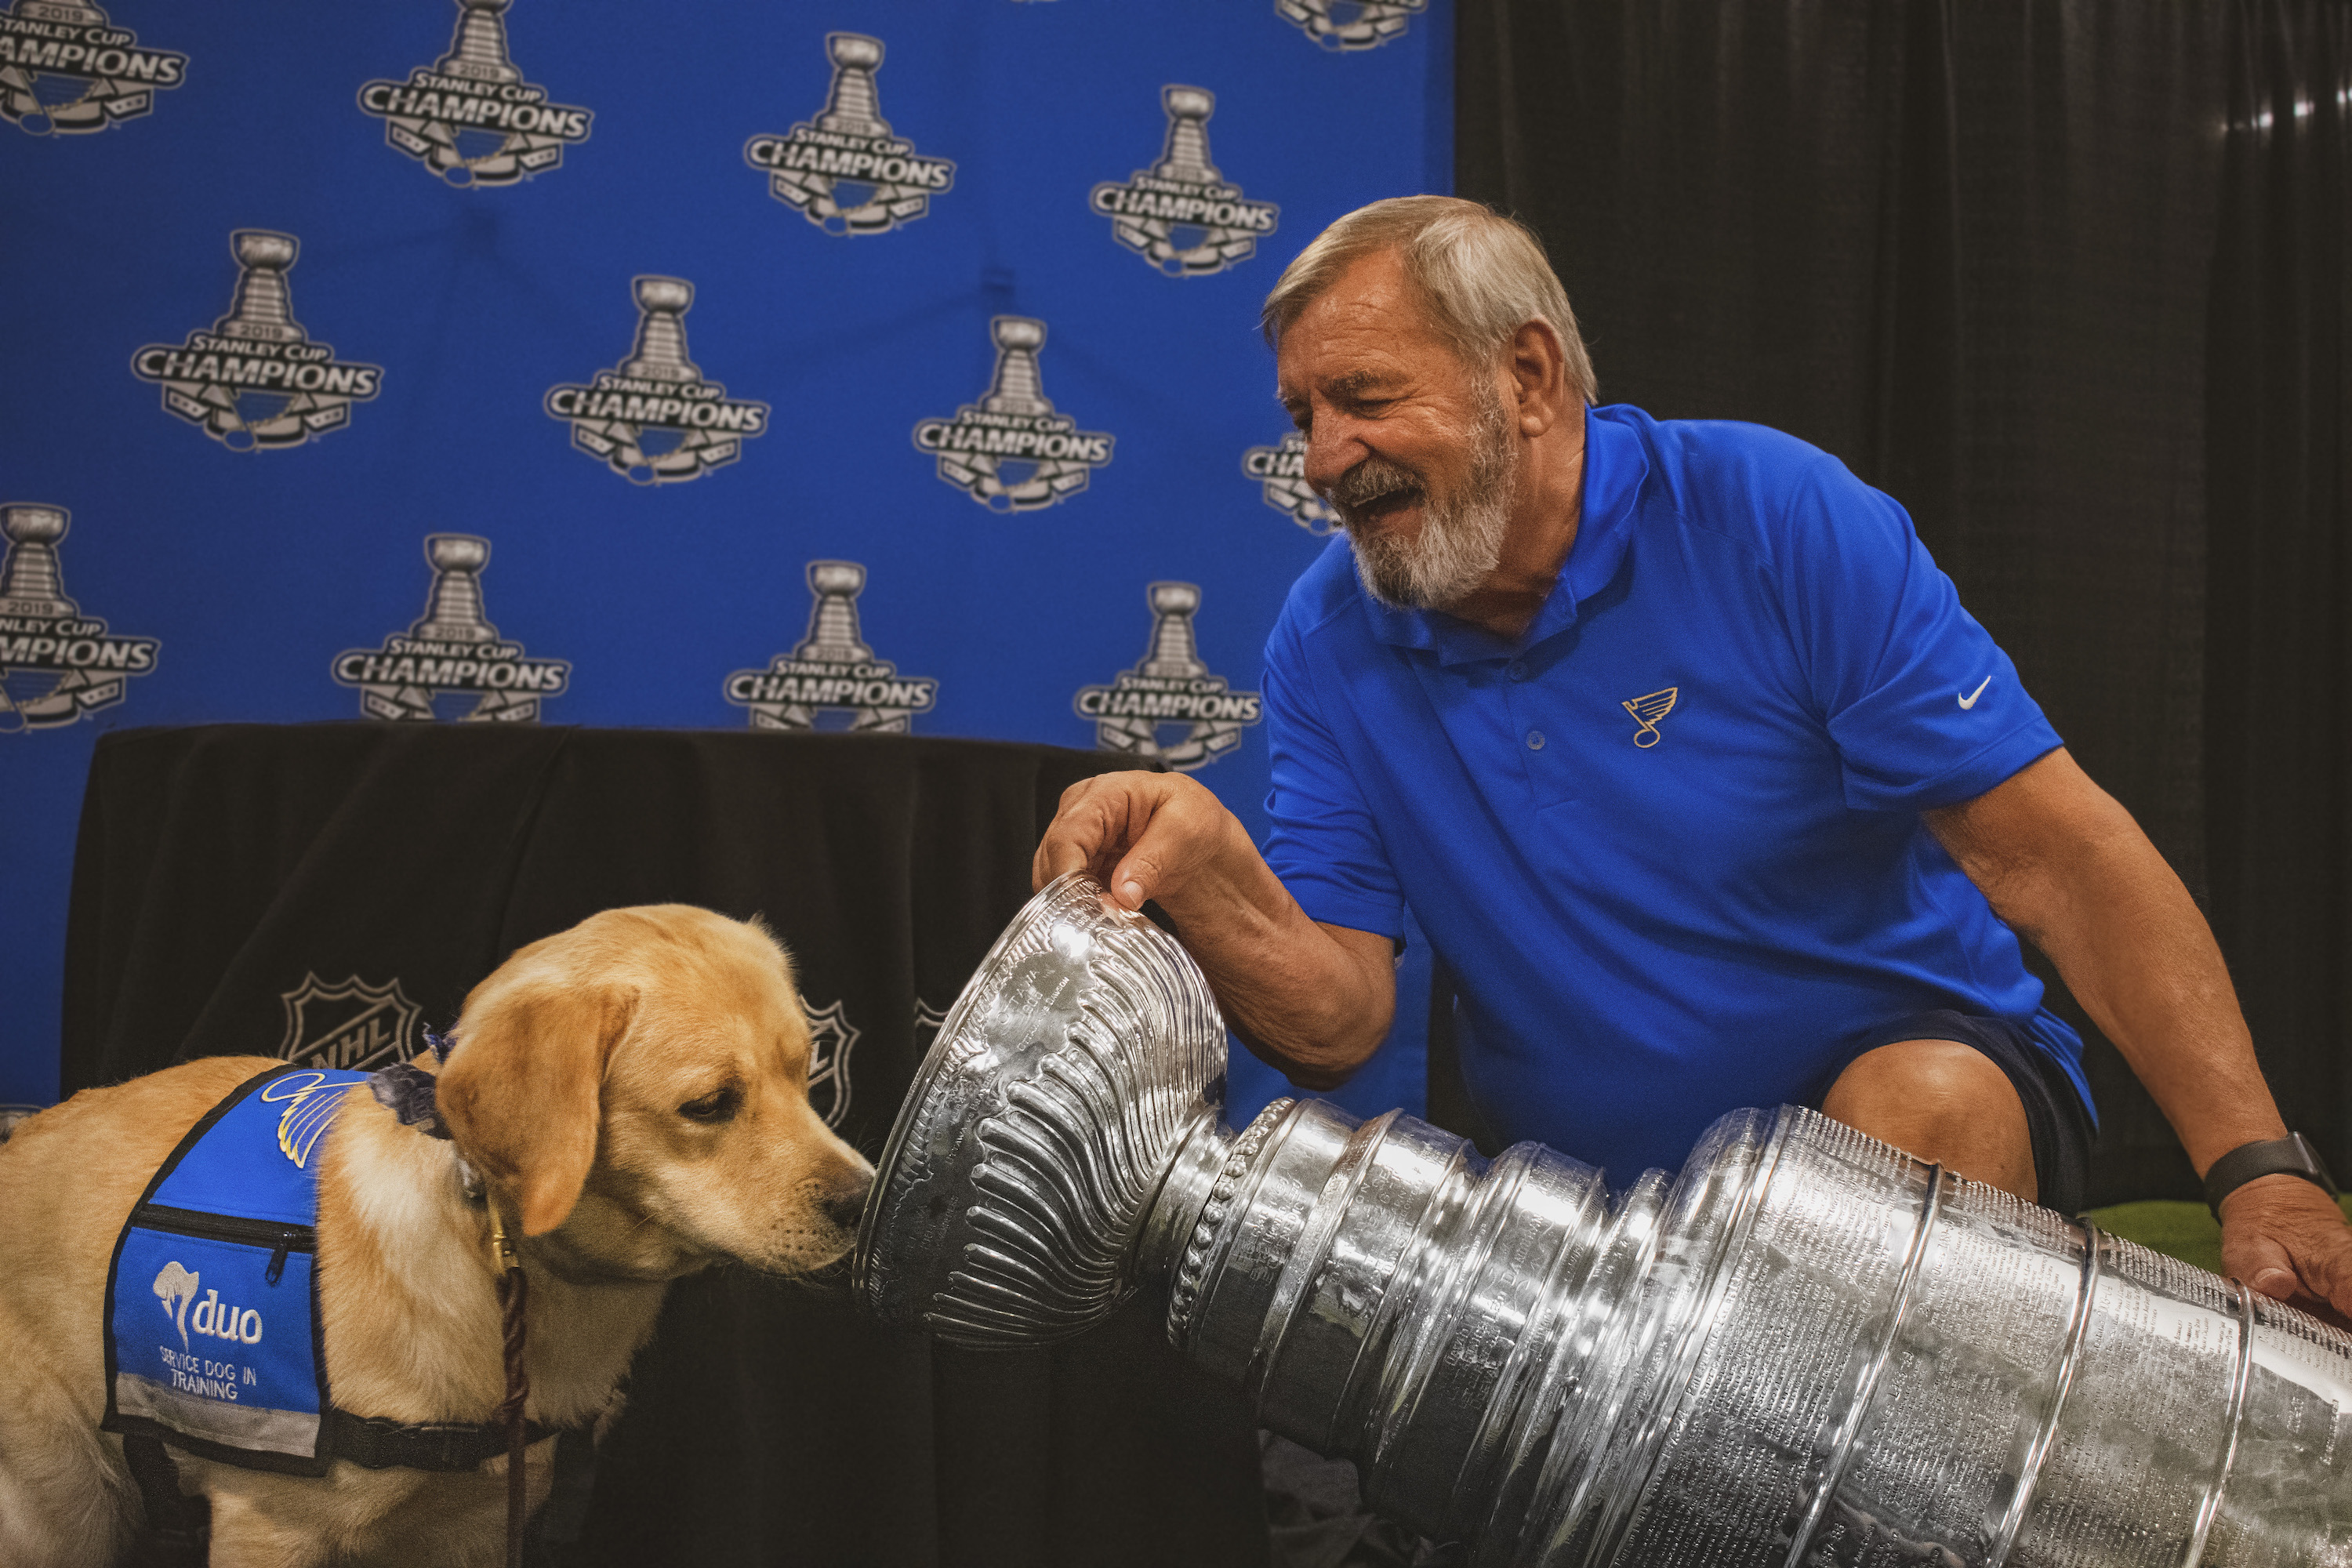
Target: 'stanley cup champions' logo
x,y
1170,690
470,117
831,669
256,381
654,418
846,172
453,650
1179,215
56,663
354,1026
1350,24
1009,451
65,68
1281,473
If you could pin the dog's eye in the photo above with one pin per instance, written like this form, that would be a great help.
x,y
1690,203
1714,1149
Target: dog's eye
x,y
717,1106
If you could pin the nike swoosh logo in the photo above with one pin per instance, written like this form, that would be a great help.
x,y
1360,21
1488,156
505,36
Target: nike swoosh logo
x,y
1971,700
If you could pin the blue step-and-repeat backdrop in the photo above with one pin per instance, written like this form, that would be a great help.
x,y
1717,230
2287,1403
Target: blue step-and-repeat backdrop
x,y
882,365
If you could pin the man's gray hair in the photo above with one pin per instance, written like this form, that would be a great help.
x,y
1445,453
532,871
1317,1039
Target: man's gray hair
x,y
1484,277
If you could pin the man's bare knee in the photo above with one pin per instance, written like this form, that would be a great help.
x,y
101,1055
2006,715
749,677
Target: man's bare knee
x,y
1943,1102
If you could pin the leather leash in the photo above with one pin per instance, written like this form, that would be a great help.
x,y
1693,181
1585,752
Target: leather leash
x,y
514,1292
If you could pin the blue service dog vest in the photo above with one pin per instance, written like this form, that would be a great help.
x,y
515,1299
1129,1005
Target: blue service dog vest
x,y
211,1304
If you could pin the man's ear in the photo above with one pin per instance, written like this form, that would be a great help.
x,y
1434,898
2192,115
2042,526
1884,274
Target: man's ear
x,y
1538,366
523,1090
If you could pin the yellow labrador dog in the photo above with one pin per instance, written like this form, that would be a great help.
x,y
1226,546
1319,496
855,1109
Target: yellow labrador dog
x,y
634,1094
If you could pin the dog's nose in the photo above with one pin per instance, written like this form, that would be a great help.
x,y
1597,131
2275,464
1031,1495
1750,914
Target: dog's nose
x,y
844,1203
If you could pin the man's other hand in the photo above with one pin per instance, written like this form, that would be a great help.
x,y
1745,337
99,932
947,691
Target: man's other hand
x,y
1312,1000
2286,1239
1143,836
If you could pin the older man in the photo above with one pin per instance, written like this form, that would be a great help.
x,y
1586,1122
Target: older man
x,y
1688,760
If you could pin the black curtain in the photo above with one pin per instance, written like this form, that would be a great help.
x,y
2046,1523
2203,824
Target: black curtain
x,y
2068,280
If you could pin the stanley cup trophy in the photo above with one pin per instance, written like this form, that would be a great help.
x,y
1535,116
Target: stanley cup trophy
x,y
854,107
1807,1349
832,637
660,352
1185,156
477,51
453,610
32,584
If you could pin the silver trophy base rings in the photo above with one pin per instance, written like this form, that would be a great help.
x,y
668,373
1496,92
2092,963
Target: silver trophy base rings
x,y
1807,1349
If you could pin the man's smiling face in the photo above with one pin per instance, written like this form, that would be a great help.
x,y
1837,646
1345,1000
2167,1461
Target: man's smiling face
x,y
1413,449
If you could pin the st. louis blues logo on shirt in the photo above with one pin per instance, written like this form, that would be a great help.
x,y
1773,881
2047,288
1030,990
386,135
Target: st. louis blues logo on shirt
x,y
1182,215
655,418
1170,706
1648,710
1281,472
453,651
256,381
56,664
846,171
65,68
469,116
1012,451
1350,25
831,669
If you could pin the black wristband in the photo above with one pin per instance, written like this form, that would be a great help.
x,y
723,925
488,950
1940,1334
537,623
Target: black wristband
x,y
2292,1155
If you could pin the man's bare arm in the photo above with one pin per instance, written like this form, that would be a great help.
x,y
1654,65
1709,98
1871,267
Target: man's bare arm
x,y
1312,1000
2068,870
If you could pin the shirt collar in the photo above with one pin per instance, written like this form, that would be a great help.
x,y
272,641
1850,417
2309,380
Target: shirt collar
x,y
1614,467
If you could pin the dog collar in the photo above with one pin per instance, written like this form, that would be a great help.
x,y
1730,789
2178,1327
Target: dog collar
x,y
407,1090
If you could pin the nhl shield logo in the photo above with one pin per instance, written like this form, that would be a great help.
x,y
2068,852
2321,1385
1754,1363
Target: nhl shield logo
x,y
831,670
1011,451
63,67
654,418
257,382
1350,25
1281,472
1170,706
452,652
470,117
353,1025
1180,215
832,1037
845,171
57,665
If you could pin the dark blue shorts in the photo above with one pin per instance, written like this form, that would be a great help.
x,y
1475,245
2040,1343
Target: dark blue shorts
x,y
2056,1117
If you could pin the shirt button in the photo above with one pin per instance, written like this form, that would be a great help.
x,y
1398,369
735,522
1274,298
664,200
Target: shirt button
x,y
1535,740
1518,670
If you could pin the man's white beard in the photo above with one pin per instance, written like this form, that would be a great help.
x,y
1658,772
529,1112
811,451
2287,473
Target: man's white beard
x,y
1461,538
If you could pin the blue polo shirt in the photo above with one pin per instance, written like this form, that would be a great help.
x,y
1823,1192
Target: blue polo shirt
x,y
1669,842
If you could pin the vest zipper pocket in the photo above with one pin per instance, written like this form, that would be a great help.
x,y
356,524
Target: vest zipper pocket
x,y
277,1234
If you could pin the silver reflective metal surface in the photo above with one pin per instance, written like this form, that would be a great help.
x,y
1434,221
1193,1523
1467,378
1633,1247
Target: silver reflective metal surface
x,y
1808,1348
1036,1132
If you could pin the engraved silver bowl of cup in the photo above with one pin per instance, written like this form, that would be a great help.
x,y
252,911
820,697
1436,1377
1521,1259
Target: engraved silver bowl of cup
x,y
1808,1348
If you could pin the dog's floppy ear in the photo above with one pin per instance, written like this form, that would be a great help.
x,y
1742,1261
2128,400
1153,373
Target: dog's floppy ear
x,y
523,1087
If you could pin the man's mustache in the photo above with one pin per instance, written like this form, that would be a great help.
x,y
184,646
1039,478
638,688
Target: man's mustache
x,y
1370,481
